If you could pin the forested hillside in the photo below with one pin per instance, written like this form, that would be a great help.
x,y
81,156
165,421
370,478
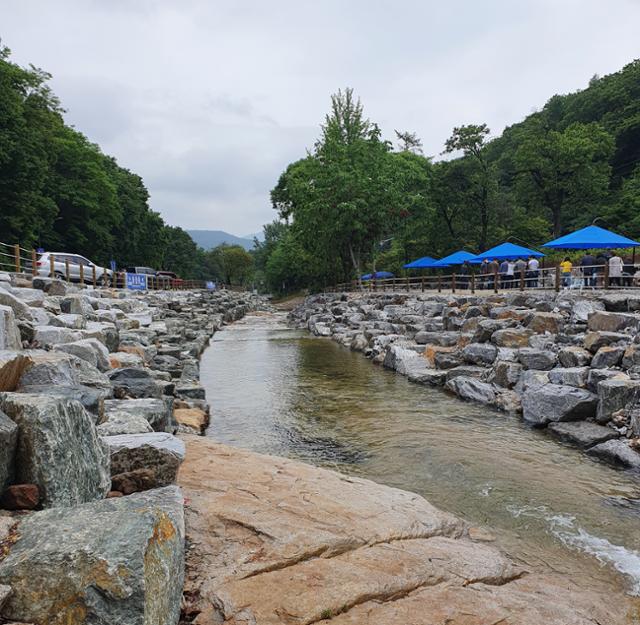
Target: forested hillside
x,y
356,198
60,192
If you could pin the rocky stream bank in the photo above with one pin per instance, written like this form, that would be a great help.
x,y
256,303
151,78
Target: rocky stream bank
x,y
569,363
95,386
114,511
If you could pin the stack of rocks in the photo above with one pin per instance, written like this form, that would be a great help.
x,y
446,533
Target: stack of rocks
x,y
94,385
569,363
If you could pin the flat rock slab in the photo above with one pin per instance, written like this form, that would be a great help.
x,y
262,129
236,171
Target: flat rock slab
x,y
116,561
275,541
155,411
159,452
582,433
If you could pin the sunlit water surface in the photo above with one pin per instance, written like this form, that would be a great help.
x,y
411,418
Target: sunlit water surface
x,y
277,390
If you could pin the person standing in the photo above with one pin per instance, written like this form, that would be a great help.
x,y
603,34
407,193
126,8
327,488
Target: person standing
x,y
588,265
519,268
615,269
504,267
511,270
565,267
465,271
533,269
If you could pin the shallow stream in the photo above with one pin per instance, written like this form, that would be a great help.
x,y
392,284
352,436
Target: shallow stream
x,y
279,391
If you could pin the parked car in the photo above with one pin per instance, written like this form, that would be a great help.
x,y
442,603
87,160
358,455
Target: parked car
x,y
103,276
174,280
145,270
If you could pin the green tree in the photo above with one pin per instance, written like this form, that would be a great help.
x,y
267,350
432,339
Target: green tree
x,y
564,173
481,187
233,264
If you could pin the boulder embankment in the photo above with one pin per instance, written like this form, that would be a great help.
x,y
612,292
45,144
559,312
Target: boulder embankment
x,y
566,362
94,387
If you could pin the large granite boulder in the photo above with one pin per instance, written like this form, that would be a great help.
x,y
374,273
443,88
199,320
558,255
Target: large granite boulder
x,y
472,389
76,305
59,449
480,353
20,309
403,360
582,434
616,452
9,332
581,309
574,356
546,322
135,383
12,365
160,452
113,562
506,373
593,341
607,356
552,402
53,335
601,321
570,376
512,337
538,359
8,443
156,412
615,394
91,350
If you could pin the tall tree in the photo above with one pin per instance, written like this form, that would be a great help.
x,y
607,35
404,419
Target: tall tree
x,y
471,140
565,173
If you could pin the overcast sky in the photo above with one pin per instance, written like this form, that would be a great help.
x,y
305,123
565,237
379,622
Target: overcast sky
x,y
209,100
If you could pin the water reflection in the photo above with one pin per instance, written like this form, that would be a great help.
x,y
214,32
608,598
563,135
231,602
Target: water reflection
x,y
276,390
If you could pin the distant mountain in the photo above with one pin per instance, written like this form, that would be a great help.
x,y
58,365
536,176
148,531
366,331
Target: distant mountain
x,y
208,239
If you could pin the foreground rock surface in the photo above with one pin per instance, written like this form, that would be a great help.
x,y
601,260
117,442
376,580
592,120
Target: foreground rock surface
x,y
117,561
275,541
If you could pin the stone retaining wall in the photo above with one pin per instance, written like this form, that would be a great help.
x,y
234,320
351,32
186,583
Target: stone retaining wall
x,y
569,363
94,386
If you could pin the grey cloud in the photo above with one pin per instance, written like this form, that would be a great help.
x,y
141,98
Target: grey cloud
x,y
209,101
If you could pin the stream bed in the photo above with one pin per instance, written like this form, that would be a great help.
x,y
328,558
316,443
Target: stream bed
x,y
280,391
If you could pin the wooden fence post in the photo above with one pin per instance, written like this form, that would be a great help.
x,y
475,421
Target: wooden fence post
x,y
422,283
473,282
16,249
439,283
34,263
557,278
66,269
52,261
522,279
93,276
495,279
607,280
453,282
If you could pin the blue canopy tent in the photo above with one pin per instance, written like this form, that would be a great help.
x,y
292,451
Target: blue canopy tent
x,y
457,258
422,263
591,238
378,275
506,251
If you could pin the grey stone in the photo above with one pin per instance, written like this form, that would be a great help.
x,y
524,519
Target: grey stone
x,y
403,359
552,402
511,337
472,389
20,309
598,375
574,356
470,371
593,341
160,452
91,350
582,433
607,356
506,373
196,391
136,383
480,353
9,332
76,305
601,321
119,423
571,376
156,412
546,322
617,452
116,562
59,449
430,377
541,360
52,335
8,443
631,357
443,339
447,360
73,322
615,394
106,333
582,308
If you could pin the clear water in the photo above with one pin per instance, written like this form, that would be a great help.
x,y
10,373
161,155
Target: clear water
x,y
277,390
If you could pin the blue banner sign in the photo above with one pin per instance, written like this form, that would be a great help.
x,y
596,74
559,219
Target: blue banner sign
x,y
112,263
211,286
136,281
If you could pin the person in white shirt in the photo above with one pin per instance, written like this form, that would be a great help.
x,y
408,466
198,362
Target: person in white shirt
x,y
533,267
615,269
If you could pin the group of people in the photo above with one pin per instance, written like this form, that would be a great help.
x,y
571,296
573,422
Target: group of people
x,y
591,270
513,273
509,273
